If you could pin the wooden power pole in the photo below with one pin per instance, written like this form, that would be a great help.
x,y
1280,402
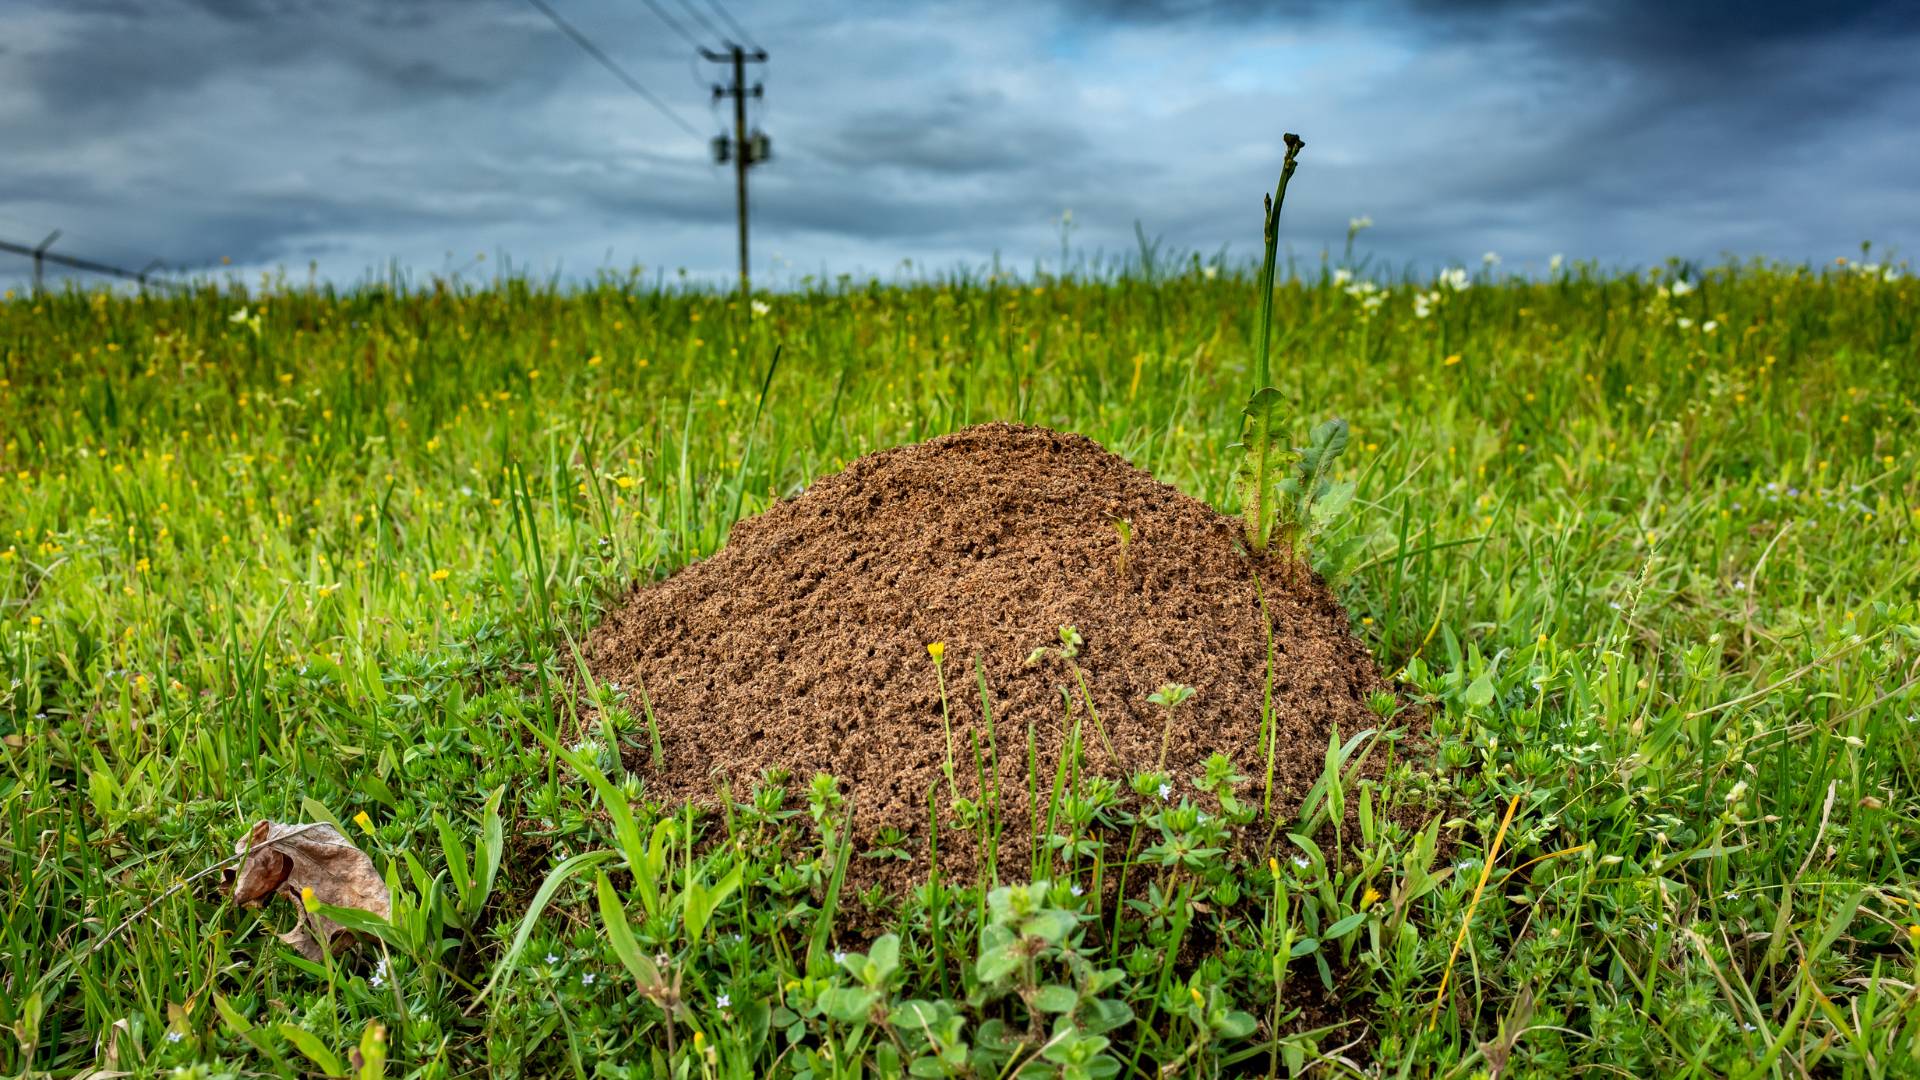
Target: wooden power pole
x,y
743,149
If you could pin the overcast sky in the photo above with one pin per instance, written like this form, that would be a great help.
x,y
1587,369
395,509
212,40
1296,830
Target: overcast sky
x,y
359,133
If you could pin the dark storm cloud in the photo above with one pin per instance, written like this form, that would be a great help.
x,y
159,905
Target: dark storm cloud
x,y
1676,31
958,133
1649,27
278,131
131,53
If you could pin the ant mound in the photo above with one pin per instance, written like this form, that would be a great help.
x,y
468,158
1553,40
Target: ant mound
x,y
803,646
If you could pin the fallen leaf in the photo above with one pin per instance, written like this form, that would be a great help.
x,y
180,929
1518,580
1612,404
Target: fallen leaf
x,y
286,860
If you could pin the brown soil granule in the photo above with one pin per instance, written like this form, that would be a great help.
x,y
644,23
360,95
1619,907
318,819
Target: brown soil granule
x,y
802,645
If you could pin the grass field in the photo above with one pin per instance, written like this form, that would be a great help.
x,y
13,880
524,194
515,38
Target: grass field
x,y
1645,549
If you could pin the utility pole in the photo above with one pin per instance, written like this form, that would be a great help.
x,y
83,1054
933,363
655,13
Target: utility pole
x,y
744,150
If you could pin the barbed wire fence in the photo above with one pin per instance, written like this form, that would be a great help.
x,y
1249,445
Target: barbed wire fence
x,y
43,256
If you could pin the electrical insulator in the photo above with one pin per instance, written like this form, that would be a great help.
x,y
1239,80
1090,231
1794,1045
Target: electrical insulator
x,y
722,149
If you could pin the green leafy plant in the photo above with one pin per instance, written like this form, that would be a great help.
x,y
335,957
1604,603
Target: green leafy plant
x,y
473,879
1070,645
1307,499
1262,443
1168,697
1311,499
1033,949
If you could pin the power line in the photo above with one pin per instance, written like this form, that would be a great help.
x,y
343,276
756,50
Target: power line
x,y
619,72
734,24
694,14
672,24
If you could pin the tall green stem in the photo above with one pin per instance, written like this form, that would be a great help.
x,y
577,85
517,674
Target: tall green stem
x,y
1261,430
1261,376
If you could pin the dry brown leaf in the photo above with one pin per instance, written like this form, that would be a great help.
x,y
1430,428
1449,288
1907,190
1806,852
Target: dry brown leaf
x,y
286,859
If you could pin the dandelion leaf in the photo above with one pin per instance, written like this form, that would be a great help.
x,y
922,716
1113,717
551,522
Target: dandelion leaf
x,y
1309,481
1261,449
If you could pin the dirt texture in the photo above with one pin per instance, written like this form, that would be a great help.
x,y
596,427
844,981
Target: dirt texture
x,y
802,645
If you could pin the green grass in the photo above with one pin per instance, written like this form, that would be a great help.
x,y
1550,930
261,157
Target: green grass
x,y
1655,584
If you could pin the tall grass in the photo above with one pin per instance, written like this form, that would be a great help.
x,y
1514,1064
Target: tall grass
x,y
1644,552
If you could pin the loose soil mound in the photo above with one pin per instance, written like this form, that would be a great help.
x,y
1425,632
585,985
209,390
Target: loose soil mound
x,y
802,645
